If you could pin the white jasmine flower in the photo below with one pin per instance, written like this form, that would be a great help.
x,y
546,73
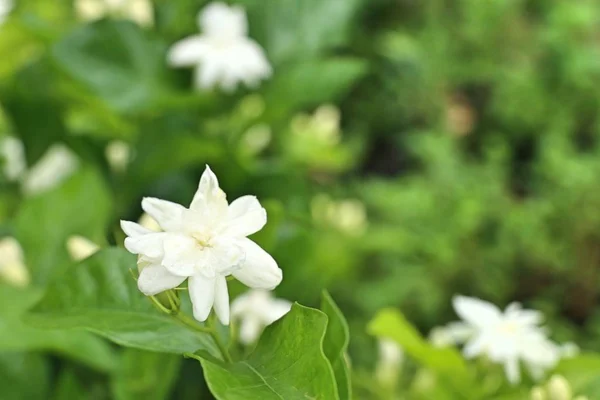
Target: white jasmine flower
x,y
12,153
57,164
139,11
12,263
223,54
506,337
6,7
391,357
117,154
80,247
257,309
205,243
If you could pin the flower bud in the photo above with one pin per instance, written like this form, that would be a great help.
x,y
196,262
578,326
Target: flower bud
x,y
558,388
537,393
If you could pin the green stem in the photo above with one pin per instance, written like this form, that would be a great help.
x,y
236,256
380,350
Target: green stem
x,y
192,323
218,341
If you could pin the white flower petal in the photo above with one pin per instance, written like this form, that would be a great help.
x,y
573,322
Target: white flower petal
x,y
150,245
132,229
222,299
222,21
56,165
182,255
202,294
475,346
207,75
209,198
169,215
154,279
513,373
476,312
277,309
187,52
250,330
259,270
246,216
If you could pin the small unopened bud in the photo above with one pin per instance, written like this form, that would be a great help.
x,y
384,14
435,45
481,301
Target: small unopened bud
x,y
117,153
558,388
537,393
80,248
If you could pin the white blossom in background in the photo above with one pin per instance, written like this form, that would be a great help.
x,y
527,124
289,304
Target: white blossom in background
x,y
118,154
223,55
389,363
12,263
255,310
56,165
506,338
348,215
12,155
204,244
557,388
6,7
80,247
138,11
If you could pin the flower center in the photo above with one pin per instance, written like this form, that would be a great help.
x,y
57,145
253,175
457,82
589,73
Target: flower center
x,y
203,239
508,328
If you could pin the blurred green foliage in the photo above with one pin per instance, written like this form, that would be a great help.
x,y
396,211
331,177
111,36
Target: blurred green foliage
x,y
465,159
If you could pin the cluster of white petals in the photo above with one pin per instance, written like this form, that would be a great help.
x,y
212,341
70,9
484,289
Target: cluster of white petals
x,y
204,244
223,55
12,262
255,310
138,11
506,338
6,7
55,165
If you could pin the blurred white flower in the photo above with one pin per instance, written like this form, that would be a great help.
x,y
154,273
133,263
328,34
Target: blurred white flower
x,y
569,350
12,263
557,388
12,153
205,243
389,363
255,310
223,54
348,215
323,126
117,154
452,334
506,337
139,11
6,7
57,164
80,247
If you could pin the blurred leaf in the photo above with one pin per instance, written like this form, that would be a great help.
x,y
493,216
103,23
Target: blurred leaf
x,y
145,375
583,373
69,386
296,30
16,336
447,362
288,363
81,205
24,376
311,83
117,61
335,345
101,296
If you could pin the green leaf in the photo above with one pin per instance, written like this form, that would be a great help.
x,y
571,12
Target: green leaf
x,y
81,205
145,375
288,363
335,345
117,61
16,336
100,295
296,30
583,373
446,362
69,386
311,83
24,376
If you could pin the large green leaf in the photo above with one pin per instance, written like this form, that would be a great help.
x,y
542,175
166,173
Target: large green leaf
x,y
81,205
145,375
446,362
17,336
101,296
335,345
117,61
583,373
288,363
296,30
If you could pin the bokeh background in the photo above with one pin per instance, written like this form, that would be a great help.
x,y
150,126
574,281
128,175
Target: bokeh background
x,y
405,150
